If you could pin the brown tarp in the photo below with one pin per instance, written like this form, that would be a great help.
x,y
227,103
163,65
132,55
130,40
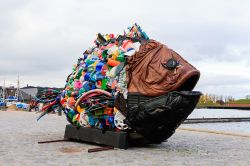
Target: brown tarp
x,y
147,75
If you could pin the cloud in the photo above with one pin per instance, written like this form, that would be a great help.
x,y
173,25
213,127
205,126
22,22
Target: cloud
x,y
224,78
41,40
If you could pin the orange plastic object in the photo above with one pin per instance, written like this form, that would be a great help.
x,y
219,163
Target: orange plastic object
x,y
78,117
113,85
71,101
108,111
63,101
112,62
104,69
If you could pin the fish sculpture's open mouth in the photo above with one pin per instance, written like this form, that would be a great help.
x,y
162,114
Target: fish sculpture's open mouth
x,y
131,83
156,118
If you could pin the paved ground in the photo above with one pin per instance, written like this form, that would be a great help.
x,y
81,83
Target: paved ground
x,y
19,134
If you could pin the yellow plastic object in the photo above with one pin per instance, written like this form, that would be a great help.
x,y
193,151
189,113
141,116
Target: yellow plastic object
x,y
79,109
115,110
96,62
115,54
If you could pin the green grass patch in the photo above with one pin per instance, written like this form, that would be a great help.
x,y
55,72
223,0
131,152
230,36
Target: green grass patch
x,y
241,101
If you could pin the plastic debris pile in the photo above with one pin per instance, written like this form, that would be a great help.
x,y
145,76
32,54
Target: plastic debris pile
x,y
46,96
91,90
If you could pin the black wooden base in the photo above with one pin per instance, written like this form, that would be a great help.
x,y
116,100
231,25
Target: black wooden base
x,y
111,138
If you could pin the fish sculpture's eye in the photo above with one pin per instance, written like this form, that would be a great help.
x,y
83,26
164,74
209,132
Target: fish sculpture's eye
x,y
171,64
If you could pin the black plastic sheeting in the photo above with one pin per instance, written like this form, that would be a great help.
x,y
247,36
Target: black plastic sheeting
x,y
157,118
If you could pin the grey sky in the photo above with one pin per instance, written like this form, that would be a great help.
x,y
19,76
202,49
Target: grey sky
x,y
41,39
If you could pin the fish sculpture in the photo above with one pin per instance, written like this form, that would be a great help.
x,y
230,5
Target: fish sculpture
x,y
129,82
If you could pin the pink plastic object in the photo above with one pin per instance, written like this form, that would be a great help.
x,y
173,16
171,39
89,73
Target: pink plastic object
x,y
78,85
92,93
127,44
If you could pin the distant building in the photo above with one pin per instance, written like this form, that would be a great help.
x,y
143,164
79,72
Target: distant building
x,y
9,91
30,90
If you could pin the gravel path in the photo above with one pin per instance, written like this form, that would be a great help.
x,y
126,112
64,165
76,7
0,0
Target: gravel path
x,y
19,134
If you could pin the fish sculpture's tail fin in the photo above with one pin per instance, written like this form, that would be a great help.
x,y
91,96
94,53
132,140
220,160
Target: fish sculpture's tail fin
x,y
49,108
